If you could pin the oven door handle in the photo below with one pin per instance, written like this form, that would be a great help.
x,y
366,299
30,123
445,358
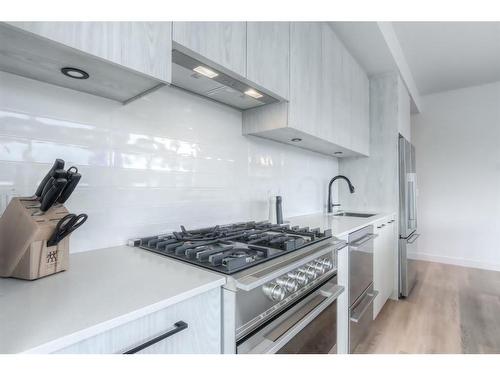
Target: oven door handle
x,y
283,333
357,244
357,315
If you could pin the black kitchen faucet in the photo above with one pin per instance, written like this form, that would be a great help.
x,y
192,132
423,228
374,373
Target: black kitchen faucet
x,y
351,189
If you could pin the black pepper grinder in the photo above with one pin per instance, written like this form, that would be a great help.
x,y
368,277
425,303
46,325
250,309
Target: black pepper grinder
x,y
279,210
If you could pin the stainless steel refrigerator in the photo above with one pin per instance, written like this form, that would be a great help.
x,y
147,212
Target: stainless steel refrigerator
x,y
407,216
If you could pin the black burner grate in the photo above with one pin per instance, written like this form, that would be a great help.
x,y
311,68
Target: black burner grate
x,y
234,247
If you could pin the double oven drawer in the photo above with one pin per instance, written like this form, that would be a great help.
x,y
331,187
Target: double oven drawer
x,y
361,317
361,293
309,326
360,262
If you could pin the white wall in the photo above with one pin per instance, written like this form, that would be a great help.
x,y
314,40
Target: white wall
x,y
168,159
457,141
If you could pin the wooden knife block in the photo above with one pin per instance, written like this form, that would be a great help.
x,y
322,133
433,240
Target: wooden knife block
x,y
23,241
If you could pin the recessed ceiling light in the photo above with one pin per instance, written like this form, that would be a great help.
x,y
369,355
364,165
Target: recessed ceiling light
x,y
338,153
253,93
74,73
205,71
296,139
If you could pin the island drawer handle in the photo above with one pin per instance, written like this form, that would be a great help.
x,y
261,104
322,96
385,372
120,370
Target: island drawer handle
x,y
179,326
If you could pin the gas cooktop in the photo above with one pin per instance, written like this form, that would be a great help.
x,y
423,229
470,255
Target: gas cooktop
x,y
234,247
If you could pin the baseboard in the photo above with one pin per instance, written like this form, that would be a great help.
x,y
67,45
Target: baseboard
x,y
454,261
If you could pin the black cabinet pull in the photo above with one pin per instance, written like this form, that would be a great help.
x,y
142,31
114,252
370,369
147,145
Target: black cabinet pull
x,y
179,326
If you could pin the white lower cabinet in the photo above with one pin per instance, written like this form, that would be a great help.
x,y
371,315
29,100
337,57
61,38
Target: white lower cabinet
x,y
201,333
383,261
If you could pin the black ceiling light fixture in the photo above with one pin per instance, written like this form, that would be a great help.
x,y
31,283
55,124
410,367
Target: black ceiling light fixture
x,y
74,73
338,153
296,139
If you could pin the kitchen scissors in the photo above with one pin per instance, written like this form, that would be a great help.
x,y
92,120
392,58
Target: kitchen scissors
x,y
65,226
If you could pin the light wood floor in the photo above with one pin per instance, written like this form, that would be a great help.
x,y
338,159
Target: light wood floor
x,y
451,310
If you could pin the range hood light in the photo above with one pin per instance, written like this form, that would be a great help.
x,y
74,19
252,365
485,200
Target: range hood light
x,y
207,80
253,93
205,71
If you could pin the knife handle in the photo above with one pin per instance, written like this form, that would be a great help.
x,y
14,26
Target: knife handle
x,y
73,179
58,164
53,193
58,173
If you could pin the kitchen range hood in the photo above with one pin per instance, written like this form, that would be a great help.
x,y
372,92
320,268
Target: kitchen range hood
x,y
193,75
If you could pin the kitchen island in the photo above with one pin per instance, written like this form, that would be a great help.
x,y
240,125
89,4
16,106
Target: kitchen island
x,y
104,290
115,296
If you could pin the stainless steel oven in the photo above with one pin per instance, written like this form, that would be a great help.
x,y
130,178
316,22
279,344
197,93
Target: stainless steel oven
x,y
281,287
307,327
361,293
286,305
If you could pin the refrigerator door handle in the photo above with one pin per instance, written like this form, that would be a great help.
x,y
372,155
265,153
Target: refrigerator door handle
x,y
413,238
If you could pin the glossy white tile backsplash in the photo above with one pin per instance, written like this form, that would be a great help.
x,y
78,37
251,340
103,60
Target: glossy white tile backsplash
x,y
167,159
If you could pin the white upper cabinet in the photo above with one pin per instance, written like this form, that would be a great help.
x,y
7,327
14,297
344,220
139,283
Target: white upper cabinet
x,y
221,42
306,77
268,56
328,108
344,115
360,130
142,46
336,91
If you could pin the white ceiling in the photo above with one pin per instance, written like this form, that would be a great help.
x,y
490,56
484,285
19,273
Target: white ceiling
x,y
450,55
376,48
365,42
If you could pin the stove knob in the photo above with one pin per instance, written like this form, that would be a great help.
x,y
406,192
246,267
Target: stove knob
x,y
290,284
326,262
275,292
319,267
300,277
309,271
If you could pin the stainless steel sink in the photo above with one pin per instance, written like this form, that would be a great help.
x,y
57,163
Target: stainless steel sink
x,y
353,214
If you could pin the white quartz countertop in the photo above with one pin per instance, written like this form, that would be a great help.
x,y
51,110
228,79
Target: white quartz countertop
x,y
101,289
341,226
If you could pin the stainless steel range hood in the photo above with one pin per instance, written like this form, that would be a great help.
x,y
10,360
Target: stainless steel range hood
x,y
204,79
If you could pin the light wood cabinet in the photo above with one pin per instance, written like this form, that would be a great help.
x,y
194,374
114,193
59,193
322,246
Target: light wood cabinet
x,y
201,313
268,56
360,130
221,42
344,116
328,102
383,261
306,77
336,90
142,46
365,113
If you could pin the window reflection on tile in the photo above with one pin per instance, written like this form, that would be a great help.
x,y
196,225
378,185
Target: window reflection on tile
x,y
167,159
